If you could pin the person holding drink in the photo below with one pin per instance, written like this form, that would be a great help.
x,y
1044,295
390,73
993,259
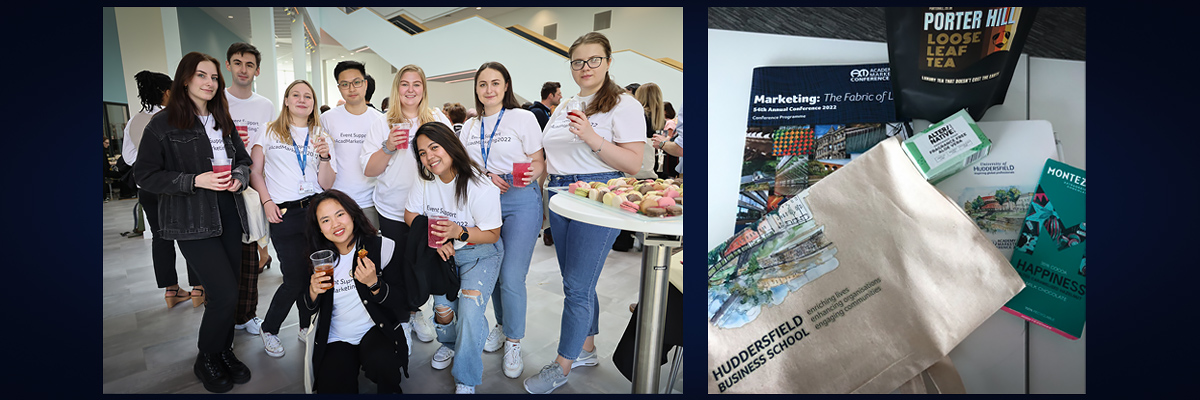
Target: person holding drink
x,y
358,299
507,141
199,208
453,186
596,144
292,163
388,157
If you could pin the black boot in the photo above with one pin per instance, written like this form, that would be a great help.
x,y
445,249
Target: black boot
x,y
238,372
212,373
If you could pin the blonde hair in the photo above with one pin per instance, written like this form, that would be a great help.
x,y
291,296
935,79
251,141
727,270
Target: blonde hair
x,y
279,128
395,114
650,96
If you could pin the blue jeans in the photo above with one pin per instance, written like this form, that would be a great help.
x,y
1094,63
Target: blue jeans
x,y
478,268
581,249
521,211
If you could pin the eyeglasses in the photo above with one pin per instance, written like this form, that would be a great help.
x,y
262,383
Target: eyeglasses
x,y
593,62
357,83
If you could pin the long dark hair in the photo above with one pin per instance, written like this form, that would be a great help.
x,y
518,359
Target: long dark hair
x,y
508,100
460,161
610,92
317,240
181,111
151,86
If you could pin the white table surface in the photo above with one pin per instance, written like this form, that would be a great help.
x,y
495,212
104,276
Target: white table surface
x,y
993,358
575,210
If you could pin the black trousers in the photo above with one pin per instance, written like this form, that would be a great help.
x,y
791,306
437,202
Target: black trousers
x,y
672,335
375,354
217,262
292,248
162,250
398,232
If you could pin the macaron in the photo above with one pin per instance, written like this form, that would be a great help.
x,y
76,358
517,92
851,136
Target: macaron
x,y
582,191
607,198
655,211
675,210
634,197
629,206
647,203
665,202
671,192
594,194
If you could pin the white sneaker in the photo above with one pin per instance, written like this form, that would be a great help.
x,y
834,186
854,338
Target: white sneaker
x,y
272,344
424,327
495,339
303,333
442,358
253,326
514,365
463,389
408,332
586,359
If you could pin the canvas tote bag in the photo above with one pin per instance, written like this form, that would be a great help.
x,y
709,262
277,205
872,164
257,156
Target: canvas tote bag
x,y
861,284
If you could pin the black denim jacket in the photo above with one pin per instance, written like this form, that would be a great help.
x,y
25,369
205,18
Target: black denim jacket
x,y
168,161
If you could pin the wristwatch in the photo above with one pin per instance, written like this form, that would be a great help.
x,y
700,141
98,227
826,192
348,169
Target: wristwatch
x,y
375,286
463,236
385,150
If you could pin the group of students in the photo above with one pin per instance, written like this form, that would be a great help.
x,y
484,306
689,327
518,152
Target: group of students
x,y
348,180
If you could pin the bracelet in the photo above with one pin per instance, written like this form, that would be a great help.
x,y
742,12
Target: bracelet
x,y
265,202
376,285
385,150
597,150
325,159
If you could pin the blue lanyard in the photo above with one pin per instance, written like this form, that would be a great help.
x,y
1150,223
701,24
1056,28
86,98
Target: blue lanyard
x,y
303,161
488,150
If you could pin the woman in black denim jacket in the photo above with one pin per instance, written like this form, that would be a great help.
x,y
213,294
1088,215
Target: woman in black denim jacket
x,y
200,209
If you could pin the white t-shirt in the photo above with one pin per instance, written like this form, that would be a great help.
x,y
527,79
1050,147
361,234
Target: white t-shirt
x,y
139,121
482,208
625,123
392,186
350,320
250,116
282,169
518,135
214,136
349,131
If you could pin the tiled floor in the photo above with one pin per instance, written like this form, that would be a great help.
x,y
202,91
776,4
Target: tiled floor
x,y
150,349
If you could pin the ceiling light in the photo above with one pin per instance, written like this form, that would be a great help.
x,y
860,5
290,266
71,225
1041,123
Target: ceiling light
x,y
230,17
478,8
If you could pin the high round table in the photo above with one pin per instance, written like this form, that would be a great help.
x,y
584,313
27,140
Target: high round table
x,y
661,237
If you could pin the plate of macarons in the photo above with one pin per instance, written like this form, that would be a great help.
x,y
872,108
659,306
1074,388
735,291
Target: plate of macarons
x,y
648,199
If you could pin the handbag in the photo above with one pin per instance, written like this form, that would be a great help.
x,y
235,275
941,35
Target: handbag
x,y
256,218
863,283
309,338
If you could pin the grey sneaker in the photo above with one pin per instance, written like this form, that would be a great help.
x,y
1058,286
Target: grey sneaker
x,y
495,339
546,380
302,335
424,327
463,389
442,358
586,359
272,344
253,326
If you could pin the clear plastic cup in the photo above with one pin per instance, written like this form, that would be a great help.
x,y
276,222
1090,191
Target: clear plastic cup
x,y
322,261
404,128
520,168
435,239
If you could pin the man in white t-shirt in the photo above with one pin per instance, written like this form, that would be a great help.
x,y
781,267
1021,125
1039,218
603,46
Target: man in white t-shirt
x,y
251,113
349,125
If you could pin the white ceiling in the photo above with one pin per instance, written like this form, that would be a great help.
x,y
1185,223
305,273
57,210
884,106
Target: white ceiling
x,y
237,20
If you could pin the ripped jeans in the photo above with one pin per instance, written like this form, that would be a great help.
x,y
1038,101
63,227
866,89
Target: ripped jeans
x,y
478,268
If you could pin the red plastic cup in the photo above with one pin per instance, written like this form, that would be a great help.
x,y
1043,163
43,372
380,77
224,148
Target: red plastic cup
x,y
519,171
434,239
220,165
405,128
